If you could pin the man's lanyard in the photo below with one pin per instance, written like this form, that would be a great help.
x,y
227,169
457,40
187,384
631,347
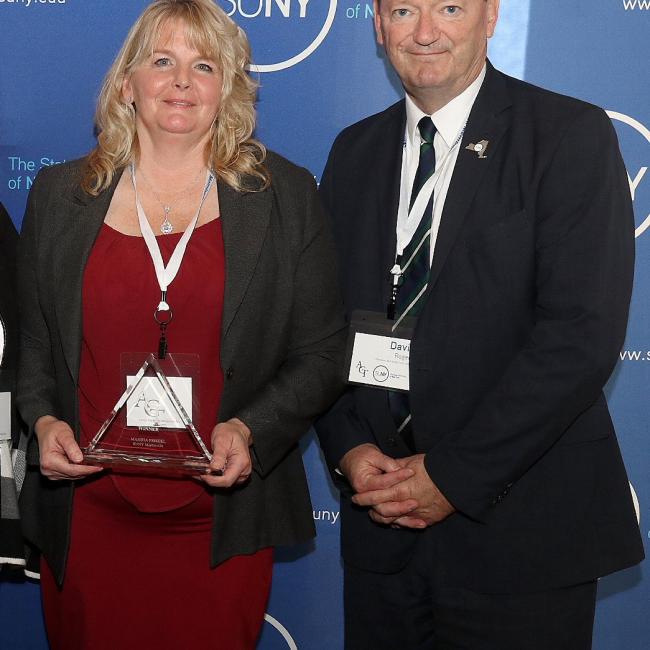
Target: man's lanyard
x,y
412,220
165,275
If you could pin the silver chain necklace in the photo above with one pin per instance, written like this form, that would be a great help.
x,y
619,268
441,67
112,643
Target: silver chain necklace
x,y
167,227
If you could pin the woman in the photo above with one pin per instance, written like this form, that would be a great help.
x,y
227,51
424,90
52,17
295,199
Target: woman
x,y
134,561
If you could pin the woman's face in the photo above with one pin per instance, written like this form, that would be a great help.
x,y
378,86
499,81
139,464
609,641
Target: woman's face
x,y
176,91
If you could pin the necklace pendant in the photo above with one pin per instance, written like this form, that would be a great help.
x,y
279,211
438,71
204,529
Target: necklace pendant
x,y
166,227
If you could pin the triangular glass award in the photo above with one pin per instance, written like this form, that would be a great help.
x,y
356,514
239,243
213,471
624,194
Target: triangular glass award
x,y
150,428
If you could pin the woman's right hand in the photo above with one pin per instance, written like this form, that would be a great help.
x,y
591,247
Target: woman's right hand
x,y
59,452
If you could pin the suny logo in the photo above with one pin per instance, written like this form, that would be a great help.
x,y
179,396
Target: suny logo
x,y
291,644
637,507
302,24
635,175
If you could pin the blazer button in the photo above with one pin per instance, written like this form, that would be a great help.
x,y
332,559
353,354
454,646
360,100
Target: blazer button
x,y
229,373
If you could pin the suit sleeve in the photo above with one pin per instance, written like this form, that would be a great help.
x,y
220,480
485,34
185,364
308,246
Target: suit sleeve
x,y
340,429
36,383
8,315
8,242
309,380
584,269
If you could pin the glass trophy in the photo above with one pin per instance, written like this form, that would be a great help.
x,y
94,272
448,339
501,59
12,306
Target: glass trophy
x,y
150,428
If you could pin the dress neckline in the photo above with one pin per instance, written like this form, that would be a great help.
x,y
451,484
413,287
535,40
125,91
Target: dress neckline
x,y
172,235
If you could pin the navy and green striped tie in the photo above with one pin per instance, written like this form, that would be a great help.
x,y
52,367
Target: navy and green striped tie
x,y
416,255
415,264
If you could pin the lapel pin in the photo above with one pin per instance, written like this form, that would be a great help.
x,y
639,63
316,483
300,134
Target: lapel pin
x,y
479,148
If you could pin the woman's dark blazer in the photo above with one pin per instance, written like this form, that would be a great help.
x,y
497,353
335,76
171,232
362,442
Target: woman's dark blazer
x,y
282,341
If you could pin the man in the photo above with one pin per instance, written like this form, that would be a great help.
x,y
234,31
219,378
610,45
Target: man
x,y
12,550
479,508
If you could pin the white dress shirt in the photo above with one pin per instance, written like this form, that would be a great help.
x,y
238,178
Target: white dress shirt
x,y
450,123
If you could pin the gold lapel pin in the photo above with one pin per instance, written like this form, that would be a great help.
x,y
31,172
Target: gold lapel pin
x,y
479,148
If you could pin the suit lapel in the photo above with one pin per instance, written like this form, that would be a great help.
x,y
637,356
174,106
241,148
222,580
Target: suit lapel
x,y
244,219
79,221
487,121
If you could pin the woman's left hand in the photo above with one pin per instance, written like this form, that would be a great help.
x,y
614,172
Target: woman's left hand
x,y
230,454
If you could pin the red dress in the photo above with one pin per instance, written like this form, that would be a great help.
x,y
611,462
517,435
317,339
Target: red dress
x,y
137,573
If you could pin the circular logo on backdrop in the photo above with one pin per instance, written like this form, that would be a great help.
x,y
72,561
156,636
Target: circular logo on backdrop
x,y
637,507
291,644
637,168
282,33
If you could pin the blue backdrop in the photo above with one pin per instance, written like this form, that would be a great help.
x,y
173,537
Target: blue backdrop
x,y
320,70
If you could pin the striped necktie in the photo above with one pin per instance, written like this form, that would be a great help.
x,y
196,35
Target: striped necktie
x,y
415,264
414,259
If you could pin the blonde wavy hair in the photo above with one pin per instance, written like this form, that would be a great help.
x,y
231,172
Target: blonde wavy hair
x,y
232,153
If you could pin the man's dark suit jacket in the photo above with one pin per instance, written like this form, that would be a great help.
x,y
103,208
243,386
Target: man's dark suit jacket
x,y
8,241
282,339
522,323
11,543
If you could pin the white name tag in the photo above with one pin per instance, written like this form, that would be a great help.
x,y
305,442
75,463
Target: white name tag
x,y
380,361
379,356
150,406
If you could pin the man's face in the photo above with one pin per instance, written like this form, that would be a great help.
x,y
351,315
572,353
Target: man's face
x,y
437,48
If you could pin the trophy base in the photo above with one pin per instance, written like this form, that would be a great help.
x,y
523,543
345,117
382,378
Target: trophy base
x,y
160,464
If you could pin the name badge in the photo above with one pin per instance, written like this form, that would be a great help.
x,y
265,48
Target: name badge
x,y
149,406
378,354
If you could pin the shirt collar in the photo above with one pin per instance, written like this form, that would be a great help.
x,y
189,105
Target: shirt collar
x,y
450,119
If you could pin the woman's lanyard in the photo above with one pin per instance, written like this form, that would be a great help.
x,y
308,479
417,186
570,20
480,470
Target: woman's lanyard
x,y
410,217
165,275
